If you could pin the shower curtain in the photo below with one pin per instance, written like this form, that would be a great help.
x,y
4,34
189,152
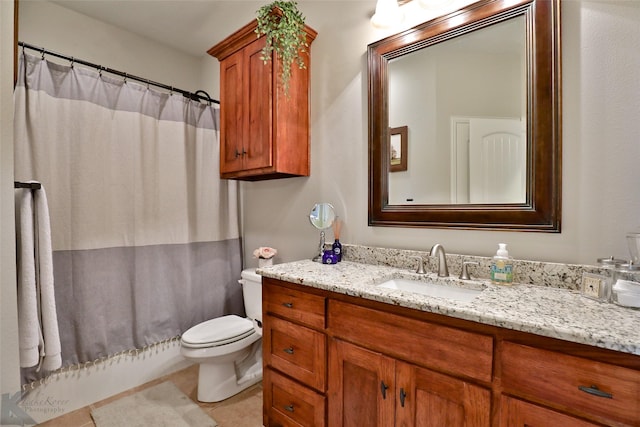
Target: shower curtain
x,y
145,235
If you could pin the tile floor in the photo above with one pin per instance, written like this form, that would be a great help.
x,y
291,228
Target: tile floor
x,y
241,410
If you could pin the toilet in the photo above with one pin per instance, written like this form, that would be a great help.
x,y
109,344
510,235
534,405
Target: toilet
x,y
228,348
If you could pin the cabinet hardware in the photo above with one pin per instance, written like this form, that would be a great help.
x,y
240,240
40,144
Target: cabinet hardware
x,y
403,395
288,304
594,390
288,350
244,152
383,389
289,408
237,153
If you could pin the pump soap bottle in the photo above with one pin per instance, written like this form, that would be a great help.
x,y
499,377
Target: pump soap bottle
x,y
502,266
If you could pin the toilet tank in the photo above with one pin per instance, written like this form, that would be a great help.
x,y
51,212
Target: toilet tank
x,y
252,293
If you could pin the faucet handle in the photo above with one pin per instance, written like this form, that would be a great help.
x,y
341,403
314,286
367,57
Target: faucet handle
x,y
464,274
420,269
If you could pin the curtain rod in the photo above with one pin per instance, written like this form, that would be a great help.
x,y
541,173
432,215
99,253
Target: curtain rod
x,y
194,96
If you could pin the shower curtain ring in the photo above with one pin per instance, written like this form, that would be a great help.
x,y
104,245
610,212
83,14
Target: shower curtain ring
x,y
125,78
72,61
43,52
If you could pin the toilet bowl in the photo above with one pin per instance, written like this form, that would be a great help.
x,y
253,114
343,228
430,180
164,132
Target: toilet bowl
x,y
228,349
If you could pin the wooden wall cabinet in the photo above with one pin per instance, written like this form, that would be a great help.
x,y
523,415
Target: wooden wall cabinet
x,y
340,361
264,133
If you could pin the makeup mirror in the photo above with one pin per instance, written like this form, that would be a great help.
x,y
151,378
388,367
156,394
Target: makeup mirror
x,y
321,217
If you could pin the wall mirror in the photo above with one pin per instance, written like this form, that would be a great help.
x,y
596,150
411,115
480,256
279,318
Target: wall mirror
x,y
477,94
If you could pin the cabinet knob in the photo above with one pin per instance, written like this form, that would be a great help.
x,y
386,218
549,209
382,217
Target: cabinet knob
x,y
594,390
288,350
288,304
237,153
383,389
289,408
403,395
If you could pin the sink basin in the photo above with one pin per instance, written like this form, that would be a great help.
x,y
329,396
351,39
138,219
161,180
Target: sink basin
x,y
456,293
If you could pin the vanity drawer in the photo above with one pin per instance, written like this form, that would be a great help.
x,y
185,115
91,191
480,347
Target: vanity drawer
x,y
597,388
291,304
298,351
423,343
518,413
290,404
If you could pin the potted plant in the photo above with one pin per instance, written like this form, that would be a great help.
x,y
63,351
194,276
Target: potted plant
x,y
282,24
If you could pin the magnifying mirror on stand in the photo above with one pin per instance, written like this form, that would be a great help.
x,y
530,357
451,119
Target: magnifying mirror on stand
x,y
322,216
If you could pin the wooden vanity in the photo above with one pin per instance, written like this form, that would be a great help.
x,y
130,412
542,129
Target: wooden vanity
x,y
332,359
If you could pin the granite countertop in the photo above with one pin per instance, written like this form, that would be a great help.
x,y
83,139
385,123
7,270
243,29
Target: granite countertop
x,y
546,311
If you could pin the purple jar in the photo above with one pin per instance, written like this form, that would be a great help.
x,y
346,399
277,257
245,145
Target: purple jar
x,y
328,257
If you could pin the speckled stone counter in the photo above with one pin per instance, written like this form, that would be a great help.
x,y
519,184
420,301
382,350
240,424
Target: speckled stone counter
x,y
544,310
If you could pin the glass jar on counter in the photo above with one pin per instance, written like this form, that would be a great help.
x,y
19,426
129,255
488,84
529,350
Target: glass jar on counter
x,y
625,288
610,267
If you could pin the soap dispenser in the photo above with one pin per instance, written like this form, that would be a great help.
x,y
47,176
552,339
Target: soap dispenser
x,y
502,266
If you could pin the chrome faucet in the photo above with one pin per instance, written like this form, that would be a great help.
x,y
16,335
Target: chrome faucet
x,y
438,249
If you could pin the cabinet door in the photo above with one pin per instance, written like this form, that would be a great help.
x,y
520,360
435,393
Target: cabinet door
x,y
257,140
429,399
361,387
231,126
518,413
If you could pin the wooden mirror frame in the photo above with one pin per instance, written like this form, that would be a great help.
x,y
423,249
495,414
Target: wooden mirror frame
x,y
542,209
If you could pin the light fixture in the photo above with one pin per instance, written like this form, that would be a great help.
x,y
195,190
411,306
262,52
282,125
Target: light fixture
x,y
387,14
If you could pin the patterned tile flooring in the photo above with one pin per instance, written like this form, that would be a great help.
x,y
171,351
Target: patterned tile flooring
x,y
241,410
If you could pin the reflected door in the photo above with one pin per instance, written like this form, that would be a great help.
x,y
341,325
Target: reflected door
x,y
497,161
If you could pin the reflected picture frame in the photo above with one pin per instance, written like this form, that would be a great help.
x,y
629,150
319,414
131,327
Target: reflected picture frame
x,y
398,144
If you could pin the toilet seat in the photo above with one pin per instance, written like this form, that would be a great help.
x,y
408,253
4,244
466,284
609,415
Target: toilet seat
x,y
218,332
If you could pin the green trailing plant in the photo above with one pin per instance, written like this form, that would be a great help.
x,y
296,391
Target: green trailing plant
x,y
282,24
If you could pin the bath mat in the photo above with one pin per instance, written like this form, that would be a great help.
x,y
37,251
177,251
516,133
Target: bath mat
x,y
163,405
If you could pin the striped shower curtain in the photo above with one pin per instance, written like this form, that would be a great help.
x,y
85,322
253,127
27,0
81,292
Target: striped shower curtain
x,y
145,235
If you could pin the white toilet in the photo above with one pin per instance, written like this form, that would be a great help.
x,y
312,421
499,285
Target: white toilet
x,y
228,348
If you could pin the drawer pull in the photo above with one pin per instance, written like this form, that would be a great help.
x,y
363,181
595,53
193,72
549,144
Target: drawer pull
x,y
594,390
289,408
288,350
383,389
403,395
288,304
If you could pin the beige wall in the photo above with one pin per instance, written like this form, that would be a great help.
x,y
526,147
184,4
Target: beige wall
x,y
9,378
600,130
600,156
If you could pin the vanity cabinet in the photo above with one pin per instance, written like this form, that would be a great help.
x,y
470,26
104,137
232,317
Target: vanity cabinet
x,y
264,133
337,360
369,388
381,374
294,356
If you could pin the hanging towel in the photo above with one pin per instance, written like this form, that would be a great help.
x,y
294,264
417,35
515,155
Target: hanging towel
x,y
49,318
38,333
28,323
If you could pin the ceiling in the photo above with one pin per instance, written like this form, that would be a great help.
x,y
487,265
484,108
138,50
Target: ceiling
x,y
191,26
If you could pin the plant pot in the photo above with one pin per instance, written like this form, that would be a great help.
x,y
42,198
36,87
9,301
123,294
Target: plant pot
x,y
264,262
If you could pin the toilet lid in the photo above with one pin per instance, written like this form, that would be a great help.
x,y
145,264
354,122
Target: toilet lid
x,y
219,331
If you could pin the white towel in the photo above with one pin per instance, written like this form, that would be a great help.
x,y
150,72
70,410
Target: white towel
x,y
28,324
39,338
49,317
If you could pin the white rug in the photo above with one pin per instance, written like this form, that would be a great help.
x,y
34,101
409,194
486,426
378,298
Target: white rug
x,y
163,405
